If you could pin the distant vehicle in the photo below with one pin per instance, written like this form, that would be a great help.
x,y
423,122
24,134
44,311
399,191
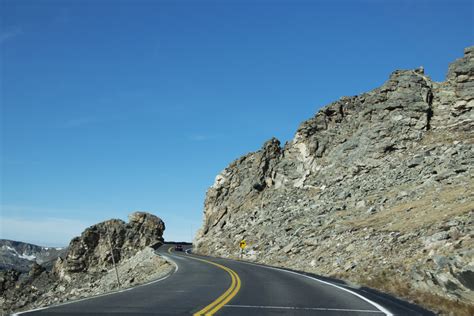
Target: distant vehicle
x,y
178,248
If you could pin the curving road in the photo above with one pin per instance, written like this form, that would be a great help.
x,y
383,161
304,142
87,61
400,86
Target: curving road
x,y
206,286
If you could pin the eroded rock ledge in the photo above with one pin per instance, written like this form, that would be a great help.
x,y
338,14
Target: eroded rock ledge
x,y
87,268
376,189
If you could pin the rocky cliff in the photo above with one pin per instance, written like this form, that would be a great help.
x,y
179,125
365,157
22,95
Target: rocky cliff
x,y
376,189
87,268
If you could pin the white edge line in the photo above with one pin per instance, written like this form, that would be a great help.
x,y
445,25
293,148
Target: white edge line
x,y
106,294
306,308
172,262
376,305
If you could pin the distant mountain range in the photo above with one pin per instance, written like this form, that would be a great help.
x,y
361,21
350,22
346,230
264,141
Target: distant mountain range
x,y
20,256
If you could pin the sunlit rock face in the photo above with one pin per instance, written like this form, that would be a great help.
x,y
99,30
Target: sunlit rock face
x,y
92,250
87,267
375,188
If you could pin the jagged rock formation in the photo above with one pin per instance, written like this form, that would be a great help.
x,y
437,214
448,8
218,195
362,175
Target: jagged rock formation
x,y
91,252
376,189
87,268
21,256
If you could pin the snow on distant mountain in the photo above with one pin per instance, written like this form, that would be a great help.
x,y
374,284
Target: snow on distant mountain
x,y
20,255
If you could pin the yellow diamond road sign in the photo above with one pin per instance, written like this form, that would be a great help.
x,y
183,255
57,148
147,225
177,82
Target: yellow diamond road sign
x,y
243,244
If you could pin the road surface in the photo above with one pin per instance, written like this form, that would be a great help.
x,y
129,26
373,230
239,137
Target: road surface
x,y
207,286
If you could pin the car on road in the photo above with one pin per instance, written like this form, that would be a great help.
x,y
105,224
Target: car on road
x,y
178,248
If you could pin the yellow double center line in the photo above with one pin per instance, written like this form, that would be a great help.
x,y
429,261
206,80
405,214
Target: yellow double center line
x,y
232,291
219,302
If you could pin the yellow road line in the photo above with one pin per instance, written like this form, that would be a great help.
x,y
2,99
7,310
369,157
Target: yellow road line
x,y
228,298
219,302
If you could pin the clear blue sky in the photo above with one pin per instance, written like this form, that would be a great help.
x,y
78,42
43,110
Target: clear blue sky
x,y
114,106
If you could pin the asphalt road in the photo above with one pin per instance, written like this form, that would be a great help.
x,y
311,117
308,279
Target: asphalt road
x,y
206,286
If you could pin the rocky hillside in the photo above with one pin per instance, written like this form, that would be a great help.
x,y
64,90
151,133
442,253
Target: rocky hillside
x,y
87,268
376,189
21,256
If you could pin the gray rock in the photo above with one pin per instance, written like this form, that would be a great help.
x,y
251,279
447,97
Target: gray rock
x,y
87,267
466,277
377,179
439,236
441,261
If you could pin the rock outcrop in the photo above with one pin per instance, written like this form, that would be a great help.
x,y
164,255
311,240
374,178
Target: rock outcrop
x,y
91,252
87,268
376,189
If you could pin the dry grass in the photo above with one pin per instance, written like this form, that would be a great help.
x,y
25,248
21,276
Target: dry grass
x,y
401,288
446,137
431,209
434,207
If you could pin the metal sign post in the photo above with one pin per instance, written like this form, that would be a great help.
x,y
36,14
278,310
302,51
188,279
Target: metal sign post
x,y
242,246
113,258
